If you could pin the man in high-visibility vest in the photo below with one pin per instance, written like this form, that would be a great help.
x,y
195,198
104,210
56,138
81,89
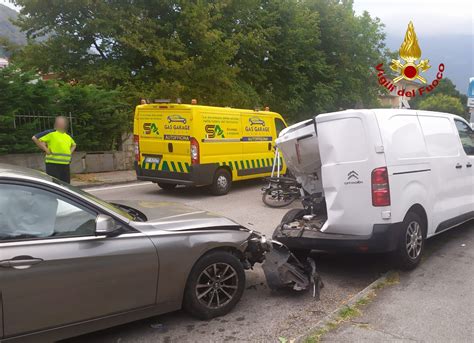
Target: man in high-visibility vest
x,y
58,147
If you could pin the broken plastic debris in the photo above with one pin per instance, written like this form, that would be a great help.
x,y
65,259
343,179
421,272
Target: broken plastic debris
x,y
160,327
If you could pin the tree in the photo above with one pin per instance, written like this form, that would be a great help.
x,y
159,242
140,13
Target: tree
x,y
443,103
298,57
100,116
446,87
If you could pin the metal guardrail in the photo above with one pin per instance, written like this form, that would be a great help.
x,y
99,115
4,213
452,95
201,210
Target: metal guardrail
x,y
41,122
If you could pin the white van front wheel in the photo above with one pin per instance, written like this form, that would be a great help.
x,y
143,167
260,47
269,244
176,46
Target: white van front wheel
x,y
412,241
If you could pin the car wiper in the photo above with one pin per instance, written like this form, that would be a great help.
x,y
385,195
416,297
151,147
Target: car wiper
x,y
136,214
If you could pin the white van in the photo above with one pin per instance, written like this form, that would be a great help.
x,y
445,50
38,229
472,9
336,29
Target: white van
x,y
379,180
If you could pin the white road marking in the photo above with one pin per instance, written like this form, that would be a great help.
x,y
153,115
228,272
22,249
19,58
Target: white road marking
x,y
107,188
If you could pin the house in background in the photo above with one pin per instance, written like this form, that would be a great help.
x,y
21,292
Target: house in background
x,y
3,62
393,100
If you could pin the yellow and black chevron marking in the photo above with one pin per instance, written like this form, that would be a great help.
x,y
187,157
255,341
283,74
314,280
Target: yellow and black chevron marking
x,y
173,166
250,164
184,167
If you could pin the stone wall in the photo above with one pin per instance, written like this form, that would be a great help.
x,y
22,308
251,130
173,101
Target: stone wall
x,y
82,162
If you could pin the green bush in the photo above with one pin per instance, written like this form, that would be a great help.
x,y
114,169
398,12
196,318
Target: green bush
x,y
100,117
443,103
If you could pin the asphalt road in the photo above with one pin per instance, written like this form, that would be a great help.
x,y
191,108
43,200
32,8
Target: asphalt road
x,y
434,303
261,315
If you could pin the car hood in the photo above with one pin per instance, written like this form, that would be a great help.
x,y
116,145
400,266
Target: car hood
x,y
177,217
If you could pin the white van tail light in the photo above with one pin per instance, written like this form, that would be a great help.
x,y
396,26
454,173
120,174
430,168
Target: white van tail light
x,y
194,151
380,187
136,148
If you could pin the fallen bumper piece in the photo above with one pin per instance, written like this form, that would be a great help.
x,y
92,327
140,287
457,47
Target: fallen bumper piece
x,y
283,270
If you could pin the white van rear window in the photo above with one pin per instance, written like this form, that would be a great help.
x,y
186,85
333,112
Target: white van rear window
x,y
407,138
343,140
440,137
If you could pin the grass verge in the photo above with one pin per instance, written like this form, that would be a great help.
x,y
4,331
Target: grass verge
x,y
350,311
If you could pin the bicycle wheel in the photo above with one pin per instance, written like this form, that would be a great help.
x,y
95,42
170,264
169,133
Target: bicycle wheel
x,y
277,197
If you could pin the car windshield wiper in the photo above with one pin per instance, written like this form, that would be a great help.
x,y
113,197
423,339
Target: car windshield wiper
x,y
136,214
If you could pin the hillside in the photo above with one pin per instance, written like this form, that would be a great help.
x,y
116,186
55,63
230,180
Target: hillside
x,y
7,29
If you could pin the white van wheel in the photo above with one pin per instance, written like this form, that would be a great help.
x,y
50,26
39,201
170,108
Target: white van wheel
x,y
412,241
222,182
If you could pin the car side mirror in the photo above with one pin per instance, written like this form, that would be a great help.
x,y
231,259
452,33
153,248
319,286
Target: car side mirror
x,y
105,225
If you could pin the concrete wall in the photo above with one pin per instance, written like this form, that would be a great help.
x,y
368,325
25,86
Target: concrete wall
x,y
82,162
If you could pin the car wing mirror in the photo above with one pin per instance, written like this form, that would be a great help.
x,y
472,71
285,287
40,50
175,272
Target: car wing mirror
x,y
105,225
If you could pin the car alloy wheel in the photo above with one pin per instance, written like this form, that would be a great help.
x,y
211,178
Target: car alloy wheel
x,y
217,285
414,240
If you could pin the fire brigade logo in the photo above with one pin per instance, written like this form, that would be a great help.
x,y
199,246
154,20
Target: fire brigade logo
x,y
409,68
410,53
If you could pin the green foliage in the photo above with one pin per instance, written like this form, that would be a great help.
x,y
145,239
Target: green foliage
x,y
298,57
443,103
100,115
446,87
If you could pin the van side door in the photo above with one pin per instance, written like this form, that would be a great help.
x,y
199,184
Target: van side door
x,y
466,135
447,181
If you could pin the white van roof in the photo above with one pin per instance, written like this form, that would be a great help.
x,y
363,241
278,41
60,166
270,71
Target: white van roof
x,y
380,112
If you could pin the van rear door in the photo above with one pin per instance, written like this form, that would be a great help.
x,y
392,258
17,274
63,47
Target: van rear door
x,y
164,133
347,144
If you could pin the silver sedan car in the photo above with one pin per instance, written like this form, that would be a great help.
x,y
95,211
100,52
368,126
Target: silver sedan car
x,y
71,263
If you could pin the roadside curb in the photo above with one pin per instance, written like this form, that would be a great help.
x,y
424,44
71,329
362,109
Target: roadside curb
x,y
323,323
100,184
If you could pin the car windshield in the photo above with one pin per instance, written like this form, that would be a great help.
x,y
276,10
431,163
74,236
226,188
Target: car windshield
x,y
95,199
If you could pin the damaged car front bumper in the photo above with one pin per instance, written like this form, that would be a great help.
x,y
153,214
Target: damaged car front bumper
x,y
281,267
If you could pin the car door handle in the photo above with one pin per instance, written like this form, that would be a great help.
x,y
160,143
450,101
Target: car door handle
x,y
469,164
458,166
20,262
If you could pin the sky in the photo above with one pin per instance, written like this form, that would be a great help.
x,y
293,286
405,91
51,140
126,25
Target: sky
x,y
430,17
8,3
445,31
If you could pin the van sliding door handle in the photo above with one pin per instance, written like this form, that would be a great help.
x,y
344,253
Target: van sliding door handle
x,y
458,166
469,164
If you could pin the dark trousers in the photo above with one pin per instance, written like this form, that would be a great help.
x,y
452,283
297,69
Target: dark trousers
x,y
59,171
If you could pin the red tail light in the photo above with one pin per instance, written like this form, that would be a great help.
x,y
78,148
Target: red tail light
x,y
136,143
194,151
380,187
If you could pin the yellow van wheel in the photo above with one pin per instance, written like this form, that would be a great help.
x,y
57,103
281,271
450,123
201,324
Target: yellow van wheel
x,y
222,182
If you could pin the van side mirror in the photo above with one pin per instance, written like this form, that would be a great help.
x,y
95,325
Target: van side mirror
x,y
105,225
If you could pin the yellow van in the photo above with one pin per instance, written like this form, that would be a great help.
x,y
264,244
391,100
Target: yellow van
x,y
203,145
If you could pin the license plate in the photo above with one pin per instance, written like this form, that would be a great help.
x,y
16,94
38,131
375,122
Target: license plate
x,y
152,160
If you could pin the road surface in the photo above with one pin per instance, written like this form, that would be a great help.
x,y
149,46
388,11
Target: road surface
x,y
434,303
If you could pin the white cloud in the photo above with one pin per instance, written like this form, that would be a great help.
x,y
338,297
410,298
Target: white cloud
x,y
435,17
9,4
